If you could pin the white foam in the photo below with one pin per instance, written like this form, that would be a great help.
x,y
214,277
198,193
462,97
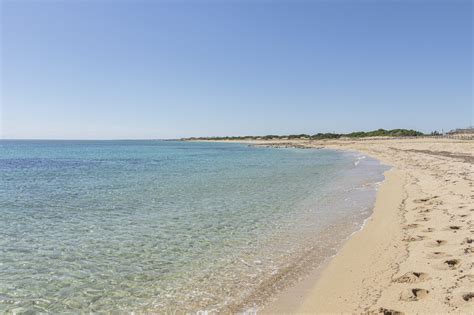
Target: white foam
x,y
359,158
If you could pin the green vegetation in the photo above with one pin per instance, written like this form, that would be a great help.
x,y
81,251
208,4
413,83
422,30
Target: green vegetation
x,y
386,133
320,136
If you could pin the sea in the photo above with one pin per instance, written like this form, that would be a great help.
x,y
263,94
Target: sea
x,y
170,226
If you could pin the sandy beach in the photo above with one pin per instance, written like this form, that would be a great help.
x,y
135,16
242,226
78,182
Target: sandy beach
x,y
415,253
334,172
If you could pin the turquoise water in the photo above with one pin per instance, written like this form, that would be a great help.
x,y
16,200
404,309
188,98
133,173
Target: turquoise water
x,y
100,226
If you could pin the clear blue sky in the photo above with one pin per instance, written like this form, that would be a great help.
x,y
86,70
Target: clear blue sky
x,y
157,69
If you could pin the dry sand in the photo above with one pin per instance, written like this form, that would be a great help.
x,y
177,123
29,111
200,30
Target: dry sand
x,y
415,254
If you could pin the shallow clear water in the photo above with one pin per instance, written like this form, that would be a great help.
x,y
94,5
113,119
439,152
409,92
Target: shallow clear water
x,y
153,225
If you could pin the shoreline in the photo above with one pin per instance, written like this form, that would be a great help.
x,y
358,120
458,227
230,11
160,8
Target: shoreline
x,y
415,253
316,291
321,291
311,263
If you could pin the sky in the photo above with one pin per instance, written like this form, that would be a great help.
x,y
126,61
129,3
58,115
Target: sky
x,y
167,69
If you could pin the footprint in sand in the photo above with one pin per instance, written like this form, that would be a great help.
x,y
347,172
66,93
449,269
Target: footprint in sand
x,y
467,240
414,238
468,297
387,311
436,243
411,226
424,211
413,295
428,230
450,264
421,200
412,277
453,228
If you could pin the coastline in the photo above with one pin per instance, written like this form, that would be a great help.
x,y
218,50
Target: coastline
x,y
335,288
414,254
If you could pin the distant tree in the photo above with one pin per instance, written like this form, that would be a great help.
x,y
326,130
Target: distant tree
x,y
319,136
298,136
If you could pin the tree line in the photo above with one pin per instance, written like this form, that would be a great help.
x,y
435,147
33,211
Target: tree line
x,y
320,136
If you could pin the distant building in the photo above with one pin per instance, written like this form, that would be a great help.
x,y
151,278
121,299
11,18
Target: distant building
x,y
468,130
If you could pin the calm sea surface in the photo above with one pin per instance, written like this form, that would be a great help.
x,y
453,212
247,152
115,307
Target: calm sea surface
x,y
100,226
